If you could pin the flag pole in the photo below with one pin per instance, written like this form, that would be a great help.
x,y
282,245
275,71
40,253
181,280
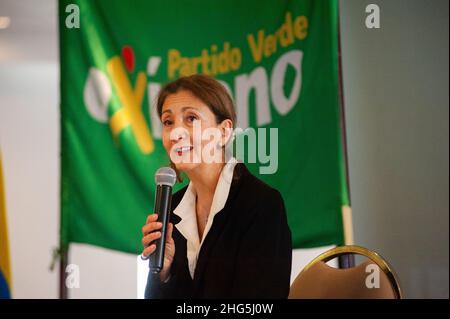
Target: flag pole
x,y
64,257
345,261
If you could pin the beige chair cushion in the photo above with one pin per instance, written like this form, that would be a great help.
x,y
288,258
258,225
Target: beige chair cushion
x,y
324,282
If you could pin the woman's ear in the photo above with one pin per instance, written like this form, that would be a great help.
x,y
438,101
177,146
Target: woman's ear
x,y
226,130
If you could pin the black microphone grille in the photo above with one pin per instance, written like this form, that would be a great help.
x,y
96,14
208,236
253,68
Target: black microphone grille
x,y
165,176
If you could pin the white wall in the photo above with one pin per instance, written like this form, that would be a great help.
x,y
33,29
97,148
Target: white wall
x,y
28,142
396,100
396,93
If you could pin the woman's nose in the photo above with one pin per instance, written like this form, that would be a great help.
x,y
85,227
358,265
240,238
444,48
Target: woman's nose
x,y
178,134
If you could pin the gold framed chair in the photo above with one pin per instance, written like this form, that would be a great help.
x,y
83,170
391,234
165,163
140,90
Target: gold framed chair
x,y
372,279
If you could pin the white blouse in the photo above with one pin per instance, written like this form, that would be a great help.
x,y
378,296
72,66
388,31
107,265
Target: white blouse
x,y
186,209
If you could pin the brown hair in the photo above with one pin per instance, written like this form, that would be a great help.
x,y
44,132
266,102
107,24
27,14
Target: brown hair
x,y
208,90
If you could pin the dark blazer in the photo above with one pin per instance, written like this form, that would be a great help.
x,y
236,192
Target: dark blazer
x,y
246,254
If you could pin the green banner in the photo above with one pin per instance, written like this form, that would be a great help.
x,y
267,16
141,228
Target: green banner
x,y
279,60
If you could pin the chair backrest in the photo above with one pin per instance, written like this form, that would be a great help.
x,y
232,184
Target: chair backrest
x,y
374,278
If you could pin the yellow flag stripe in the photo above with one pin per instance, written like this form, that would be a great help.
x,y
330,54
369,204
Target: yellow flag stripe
x,y
4,243
131,110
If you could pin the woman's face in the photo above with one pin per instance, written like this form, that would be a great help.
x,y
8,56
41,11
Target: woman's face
x,y
191,135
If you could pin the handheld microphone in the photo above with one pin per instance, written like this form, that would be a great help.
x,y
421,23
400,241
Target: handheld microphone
x,y
165,178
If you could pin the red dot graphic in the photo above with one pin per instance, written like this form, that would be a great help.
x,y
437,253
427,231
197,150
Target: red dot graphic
x,y
128,57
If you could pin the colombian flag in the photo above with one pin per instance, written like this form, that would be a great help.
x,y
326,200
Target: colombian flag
x,y
5,270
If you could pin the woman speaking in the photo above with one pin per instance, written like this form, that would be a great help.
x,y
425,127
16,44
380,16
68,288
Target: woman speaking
x,y
228,235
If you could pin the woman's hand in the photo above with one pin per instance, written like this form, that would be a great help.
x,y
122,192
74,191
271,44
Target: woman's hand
x,y
150,233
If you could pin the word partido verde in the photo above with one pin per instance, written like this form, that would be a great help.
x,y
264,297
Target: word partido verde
x,y
221,59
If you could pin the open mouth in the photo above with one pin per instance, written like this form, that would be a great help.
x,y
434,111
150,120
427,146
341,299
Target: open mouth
x,y
183,150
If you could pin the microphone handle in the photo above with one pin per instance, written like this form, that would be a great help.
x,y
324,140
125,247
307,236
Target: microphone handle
x,y
162,208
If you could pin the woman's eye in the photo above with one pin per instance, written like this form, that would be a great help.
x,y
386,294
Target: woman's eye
x,y
167,122
191,118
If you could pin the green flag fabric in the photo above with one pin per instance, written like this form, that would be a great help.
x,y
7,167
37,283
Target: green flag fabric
x,y
278,59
